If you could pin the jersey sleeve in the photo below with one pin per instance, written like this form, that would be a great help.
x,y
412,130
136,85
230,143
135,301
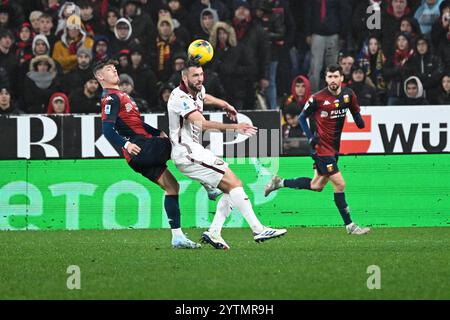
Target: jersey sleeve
x,y
310,107
354,105
110,108
186,105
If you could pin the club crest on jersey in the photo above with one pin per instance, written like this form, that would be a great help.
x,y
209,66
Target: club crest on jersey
x,y
337,103
128,107
346,98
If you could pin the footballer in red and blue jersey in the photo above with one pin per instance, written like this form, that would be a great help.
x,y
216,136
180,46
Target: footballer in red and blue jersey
x,y
327,110
146,149
122,123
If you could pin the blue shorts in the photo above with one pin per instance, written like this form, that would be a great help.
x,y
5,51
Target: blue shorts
x,y
326,165
151,161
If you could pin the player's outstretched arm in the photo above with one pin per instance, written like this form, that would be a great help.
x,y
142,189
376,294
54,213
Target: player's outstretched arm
x,y
230,110
113,137
199,120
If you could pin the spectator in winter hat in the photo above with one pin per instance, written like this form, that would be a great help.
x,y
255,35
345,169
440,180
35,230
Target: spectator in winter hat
x,y
123,36
65,11
414,92
208,18
40,83
76,78
126,84
101,48
40,45
166,46
58,104
73,38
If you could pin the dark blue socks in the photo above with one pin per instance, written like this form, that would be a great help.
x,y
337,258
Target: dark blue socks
x,y
173,211
299,183
341,204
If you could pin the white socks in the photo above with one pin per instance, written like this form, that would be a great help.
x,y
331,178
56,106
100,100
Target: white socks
x,y
177,233
240,200
223,210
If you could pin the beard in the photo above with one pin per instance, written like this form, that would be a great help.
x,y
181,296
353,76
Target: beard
x,y
333,87
193,87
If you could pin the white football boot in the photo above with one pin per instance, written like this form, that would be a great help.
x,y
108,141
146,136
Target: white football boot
x,y
354,229
275,183
184,243
215,240
268,233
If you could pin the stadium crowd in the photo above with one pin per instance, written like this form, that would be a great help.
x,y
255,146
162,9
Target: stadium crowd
x,y
269,54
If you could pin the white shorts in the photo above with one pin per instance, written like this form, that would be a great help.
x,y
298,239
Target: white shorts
x,y
203,166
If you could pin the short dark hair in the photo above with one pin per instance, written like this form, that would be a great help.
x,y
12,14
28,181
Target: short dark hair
x,y
103,63
84,4
190,63
292,110
412,81
333,68
46,16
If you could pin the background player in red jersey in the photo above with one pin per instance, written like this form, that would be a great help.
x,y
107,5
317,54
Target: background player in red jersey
x,y
146,149
327,110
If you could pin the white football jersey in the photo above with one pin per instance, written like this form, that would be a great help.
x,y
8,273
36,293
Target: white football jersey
x,y
185,136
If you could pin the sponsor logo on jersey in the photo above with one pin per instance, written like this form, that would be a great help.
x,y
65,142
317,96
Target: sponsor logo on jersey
x,y
338,113
107,109
326,103
219,162
185,106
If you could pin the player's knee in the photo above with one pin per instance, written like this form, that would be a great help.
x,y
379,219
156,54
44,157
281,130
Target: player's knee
x,y
317,188
339,187
237,183
172,188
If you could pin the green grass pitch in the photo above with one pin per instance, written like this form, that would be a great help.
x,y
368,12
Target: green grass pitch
x,y
308,263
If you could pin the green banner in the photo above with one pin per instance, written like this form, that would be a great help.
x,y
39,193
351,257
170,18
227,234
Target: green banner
x,y
394,190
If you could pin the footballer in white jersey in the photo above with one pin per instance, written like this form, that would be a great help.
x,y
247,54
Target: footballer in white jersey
x,y
186,122
188,154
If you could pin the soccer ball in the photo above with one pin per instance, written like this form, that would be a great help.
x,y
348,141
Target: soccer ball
x,y
201,51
